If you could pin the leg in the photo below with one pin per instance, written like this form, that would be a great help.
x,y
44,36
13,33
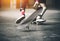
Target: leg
x,y
22,12
23,5
39,17
43,9
35,6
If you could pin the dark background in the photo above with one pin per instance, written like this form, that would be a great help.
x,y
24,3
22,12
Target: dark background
x,y
53,3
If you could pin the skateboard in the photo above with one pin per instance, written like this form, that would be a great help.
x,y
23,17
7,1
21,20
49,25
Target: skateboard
x,y
30,18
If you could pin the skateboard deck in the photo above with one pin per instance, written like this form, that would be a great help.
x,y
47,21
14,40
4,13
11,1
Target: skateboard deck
x,y
31,17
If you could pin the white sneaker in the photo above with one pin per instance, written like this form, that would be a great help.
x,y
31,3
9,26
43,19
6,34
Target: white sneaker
x,y
40,20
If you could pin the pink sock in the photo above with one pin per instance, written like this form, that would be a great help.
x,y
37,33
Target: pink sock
x,y
23,12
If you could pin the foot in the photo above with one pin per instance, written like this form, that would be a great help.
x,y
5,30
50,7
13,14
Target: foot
x,y
20,19
40,20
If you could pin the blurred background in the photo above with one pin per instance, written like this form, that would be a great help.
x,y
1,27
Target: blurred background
x,y
48,31
15,4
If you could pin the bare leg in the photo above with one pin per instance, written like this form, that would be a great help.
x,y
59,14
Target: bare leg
x,y
43,9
